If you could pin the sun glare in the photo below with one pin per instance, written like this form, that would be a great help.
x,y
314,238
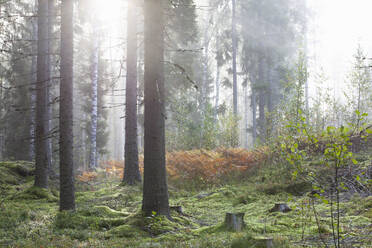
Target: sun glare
x,y
107,11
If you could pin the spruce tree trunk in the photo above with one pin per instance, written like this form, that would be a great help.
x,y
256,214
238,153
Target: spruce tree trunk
x,y
94,110
67,189
234,52
155,188
41,165
48,98
131,169
33,87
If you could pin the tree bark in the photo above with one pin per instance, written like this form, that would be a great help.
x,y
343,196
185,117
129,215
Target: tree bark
x,y
33,87
41,163
48,98
254,115
234,52
217,93
155,189
246,116
131,170
234,221
94,110
67,189
261,100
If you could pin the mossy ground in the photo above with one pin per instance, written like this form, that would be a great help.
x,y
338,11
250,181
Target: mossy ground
x,y
108,215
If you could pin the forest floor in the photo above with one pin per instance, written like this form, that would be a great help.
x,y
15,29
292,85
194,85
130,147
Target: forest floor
x,y
108,214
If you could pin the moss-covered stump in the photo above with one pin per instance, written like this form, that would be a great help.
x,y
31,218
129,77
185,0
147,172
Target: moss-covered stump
x,y
259,242
280,207
126,231
84,219
14,173
36,193
234,221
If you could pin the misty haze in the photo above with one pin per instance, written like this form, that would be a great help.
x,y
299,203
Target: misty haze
x,y
185,123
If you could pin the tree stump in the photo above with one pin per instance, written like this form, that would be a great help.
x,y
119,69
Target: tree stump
x,y
178,209
264,242
281,207
235,221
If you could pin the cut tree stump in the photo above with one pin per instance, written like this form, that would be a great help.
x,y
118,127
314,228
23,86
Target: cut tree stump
x,y
178,209
235,221
264,242
281,207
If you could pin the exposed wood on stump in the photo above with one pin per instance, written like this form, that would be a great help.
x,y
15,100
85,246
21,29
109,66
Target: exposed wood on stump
x,y
264,242
235,221
281,207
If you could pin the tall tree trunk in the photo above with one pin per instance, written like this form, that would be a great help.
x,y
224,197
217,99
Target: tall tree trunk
x,y
33,87
217,93
254,115
234,52
67,189
131,169
1,114
94,110
155,188
41,171
246,121
261,100
48,98
203,96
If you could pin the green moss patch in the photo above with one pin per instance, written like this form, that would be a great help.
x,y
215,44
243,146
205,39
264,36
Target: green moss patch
x,y
36,193
15,173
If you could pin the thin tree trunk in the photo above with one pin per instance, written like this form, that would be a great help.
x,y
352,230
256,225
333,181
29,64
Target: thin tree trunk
x,y
131,169
48,98
1,115
67,189
41,165
94,110
234,52
254,115
155,188
33,87
246,116
203,96
261,100
217,93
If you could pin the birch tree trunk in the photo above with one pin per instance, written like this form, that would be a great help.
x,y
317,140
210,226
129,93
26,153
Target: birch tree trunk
x,y
131,169
246,121
203,100
94,111
155,188
254,115
217,93
261,99
41,165
67,189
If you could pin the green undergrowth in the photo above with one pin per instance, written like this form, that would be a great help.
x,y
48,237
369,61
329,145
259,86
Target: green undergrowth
x,y
108,215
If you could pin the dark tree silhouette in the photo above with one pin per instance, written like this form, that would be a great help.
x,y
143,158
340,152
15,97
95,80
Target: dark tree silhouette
x,y
67,190
131,169
41,159
155,190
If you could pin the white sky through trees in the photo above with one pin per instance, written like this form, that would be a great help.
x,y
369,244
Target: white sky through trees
x,y
337,27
